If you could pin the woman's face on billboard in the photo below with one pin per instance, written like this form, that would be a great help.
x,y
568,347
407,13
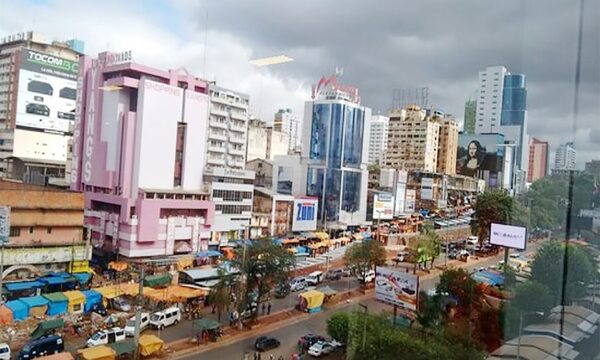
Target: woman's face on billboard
x,y
472,149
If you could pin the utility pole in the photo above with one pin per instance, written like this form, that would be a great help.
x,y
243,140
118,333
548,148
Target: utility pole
x,y
138,315
1,270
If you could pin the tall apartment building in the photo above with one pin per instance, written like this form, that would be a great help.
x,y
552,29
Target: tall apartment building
x,y
139,140
335,155
593,167
565,157
538,160
489,102
470,116
257,140
448,143
277,143
413,140
378,138
38,79
287,122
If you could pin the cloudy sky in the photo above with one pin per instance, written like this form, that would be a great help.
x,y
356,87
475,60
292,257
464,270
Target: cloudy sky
x,y
382,45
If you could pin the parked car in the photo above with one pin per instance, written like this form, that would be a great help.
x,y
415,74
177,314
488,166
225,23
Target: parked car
x,y
309,340
314,278
320,349
42,347
4,351
368,277
121,304
298,284
335,274
104,337
167,317
130,326
99,309
346,272
282,290
264,343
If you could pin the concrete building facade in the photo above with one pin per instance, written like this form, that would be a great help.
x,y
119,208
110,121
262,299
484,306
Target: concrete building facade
x,y
565,157
448,143
287,122
257,140
139,140
378,138
538,160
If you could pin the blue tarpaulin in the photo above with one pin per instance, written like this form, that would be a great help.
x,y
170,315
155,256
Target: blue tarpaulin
x,y
34,301
91,298
489,278
57,303
82,277
23,285
208,253
18,308
54,280
277,241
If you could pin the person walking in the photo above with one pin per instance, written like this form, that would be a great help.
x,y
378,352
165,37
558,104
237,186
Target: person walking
x,y
269,308
263,308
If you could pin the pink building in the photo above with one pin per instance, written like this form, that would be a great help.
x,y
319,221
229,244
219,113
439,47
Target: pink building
x,y
138,154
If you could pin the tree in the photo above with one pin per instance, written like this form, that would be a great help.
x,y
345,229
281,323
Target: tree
x,y
532,296
263,264
429,243
220,294
338,326
549,269
432,312
365,256
491,207
461,287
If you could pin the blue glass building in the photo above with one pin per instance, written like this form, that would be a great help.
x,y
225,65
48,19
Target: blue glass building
x,y
513,117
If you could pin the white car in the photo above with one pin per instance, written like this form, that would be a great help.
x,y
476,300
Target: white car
x,y
368,277
297,284
130,326
4,351
167,317
106,337
314,278
320,348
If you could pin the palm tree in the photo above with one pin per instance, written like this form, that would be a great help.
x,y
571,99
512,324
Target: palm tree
x,y
220,294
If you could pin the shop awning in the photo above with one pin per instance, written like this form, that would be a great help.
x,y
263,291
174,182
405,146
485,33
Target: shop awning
x,y
173,293
313,298
97,353
208,253
290,241
23,285
92,298
34,301
123,347
118,265
322,235
56,280
82,277
109,292
158,280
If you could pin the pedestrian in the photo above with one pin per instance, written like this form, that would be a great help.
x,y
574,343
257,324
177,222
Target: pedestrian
x,y
271,357
259,356
256,355
269,309
263,308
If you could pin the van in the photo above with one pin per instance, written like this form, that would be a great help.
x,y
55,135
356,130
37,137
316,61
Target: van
x,y
314,278
472,241
297,284
167,317
369,276
42,347
130,326
4,351
104,337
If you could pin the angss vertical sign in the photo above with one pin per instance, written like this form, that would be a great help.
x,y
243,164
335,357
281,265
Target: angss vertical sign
x,y
305,214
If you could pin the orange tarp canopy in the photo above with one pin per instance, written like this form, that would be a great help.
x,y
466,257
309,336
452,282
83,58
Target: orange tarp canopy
x,y
184,263
117,265
6,315
150,344
290,241
173,293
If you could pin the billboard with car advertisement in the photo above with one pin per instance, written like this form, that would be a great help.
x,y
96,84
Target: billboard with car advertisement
x,y
479,152
305,214
383,206
410,201
47,92
397,287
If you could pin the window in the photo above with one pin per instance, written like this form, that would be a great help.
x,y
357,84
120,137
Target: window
x,y
31,230
14,231
49,230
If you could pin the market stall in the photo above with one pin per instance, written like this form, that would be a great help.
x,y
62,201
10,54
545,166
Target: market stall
x,y
311,301
97,353
19,309
150,344
76,301
207,329
57,303
6,315
123,348
47,327
92,298
17,289
36,305
331,295
158,280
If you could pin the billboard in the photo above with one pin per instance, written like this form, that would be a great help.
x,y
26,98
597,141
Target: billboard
x,y
305,214
426,188
4,224
397,287
383,206
47,92
410,201
508,236
478,152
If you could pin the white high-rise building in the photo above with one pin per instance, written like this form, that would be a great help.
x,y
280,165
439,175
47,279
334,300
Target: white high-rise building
x,y
489,99
566,157
378,138
287,122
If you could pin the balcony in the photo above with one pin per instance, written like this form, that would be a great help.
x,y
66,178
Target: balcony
x,y
231,150
215,161
235,127
239,116
237,139
217,136
235,163
216,111
218,124
218,149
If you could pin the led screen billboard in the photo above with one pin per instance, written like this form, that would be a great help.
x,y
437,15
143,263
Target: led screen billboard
x,y
47,92
479,152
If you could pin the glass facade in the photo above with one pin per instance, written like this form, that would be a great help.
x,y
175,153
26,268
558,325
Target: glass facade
x,y
514,100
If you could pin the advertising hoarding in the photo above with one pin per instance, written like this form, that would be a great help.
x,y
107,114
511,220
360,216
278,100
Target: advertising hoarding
x,y
410,201
47,92
397,287
399,197
4,224
383,206
510,236
305,214
479,152
426,188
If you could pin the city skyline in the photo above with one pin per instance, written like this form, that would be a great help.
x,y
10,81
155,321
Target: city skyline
x,y
180,40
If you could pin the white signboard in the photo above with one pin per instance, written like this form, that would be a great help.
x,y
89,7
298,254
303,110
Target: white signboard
x,y
383,206
426,188
4,224
410,201
400,194
305,214
397,287
509,236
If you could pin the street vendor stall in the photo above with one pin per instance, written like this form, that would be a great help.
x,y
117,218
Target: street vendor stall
x,y
36,305
330,294
76,301
150,344
19,309
6,315
174,293
92,298
207,329
47,328
97,353
162,279
123,348
311,301
57,303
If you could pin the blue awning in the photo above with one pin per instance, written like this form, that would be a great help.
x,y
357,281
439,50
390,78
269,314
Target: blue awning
x,y
18,308
82,277
23,285
277,241
92,298
54,280
208,253
34,301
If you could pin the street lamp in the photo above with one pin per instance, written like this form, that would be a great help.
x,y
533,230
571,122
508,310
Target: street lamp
x,y
540,313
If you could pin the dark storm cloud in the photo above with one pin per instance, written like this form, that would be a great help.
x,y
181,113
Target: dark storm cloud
x,y
440,44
